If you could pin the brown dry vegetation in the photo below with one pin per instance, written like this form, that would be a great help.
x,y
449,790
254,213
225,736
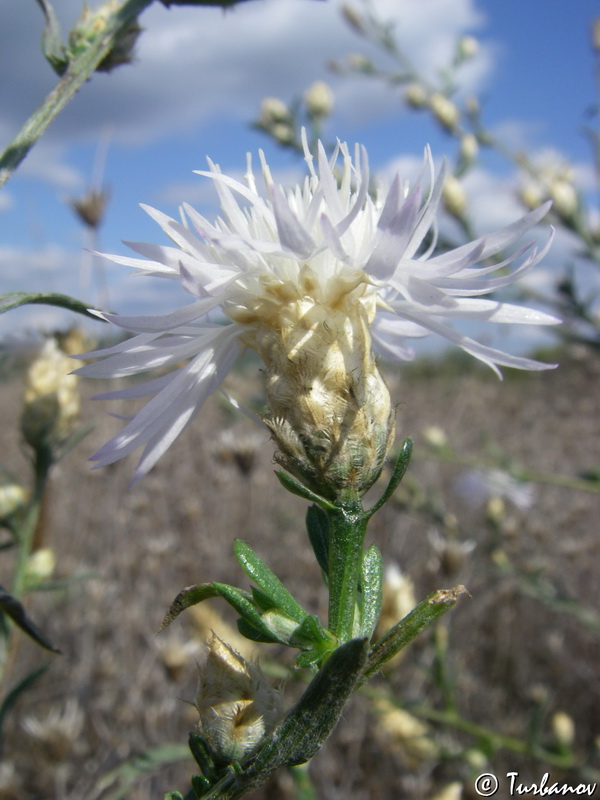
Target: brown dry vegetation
x,y
515,653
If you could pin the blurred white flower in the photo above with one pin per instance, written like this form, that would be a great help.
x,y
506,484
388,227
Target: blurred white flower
x,y
480,485
321,251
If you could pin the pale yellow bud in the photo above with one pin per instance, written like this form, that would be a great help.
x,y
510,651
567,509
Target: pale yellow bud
x,y
453,791
468,47
398,598
272,111
435,436
444,110
415,95
51,402
359,62
475,758
13,498
495,510
563,728
237,707
531,195
283,133
564,197
407,731
40,565
455,199
469,147
319,99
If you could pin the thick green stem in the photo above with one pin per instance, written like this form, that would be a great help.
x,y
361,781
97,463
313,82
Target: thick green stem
x,y
79,70
347,526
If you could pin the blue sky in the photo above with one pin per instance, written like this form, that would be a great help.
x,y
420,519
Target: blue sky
x,y
198,81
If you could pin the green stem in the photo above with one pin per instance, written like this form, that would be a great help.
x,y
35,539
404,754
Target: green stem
x,y
347,527
79,70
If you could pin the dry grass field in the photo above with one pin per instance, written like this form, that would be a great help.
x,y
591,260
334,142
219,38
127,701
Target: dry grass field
x,y
523,645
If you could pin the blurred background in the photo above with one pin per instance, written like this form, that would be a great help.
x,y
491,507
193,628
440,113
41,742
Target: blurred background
x,y
503,491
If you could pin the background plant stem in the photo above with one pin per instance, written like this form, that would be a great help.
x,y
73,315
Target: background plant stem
x,y
79,70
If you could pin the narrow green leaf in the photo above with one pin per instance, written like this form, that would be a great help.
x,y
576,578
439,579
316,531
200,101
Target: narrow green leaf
x,y
399,471
237,599
371,580
201,753
256,569
11,300
315,715
14,609
295,487
250,632
421,617
52,47
317,525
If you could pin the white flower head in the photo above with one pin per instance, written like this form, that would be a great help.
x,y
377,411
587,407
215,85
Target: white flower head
x,y
322,273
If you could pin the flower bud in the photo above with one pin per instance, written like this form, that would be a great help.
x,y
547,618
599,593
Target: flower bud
x,y
564,197
330,411
468,47
469,147
455,199
273,111
51,402
237,706
531,195
444,110
319,99
452,791
415,95
360,63
40,566
563,728
13,498
398,600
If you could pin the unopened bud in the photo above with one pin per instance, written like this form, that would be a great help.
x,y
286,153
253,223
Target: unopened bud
x,y
40,566
283,133
564,197
469,147
468,47
455,199
273,111
398,599
415,95
563,728
452,791
237,706
444,110
13,498
531,195
319,99
360,63
51,402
